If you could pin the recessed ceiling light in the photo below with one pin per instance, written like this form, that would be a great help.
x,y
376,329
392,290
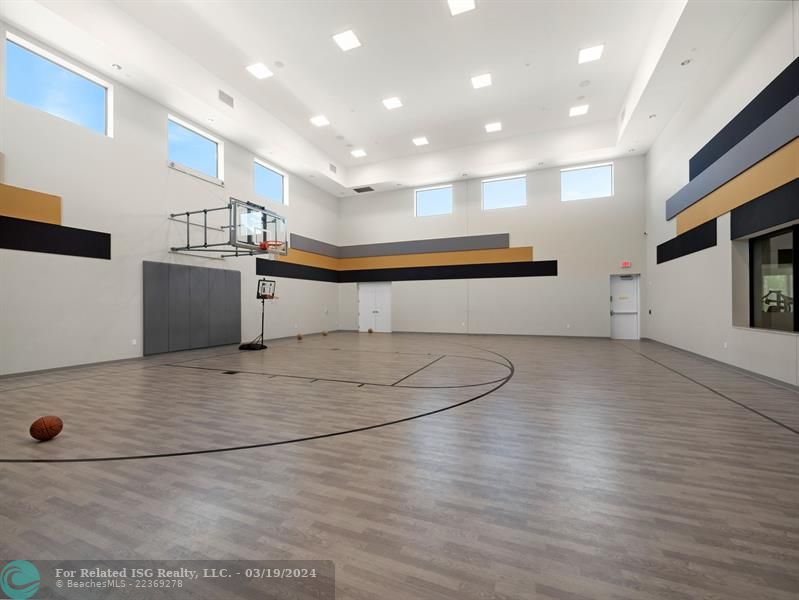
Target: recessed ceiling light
x,y
116,67
320,120
260,71
347,40
480,81
585,83
392,103
576,111
359,153
493,127
652,116
590,54
686,62
457,7
420,141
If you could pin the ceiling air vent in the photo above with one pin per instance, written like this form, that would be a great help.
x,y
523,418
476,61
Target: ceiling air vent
x,y
332,168
361,190
226,98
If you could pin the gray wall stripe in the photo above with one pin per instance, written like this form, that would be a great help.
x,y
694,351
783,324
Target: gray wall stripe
x,y
773,134
300,242
470,242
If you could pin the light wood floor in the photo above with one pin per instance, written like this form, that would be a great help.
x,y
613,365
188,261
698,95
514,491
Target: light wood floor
x,y
550,468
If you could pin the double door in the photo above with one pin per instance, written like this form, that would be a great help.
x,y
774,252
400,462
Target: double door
x,y
374,307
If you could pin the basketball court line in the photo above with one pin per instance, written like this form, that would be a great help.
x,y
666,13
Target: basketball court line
x,y
419,369
501,383
133,360
715,391
311,379
148,359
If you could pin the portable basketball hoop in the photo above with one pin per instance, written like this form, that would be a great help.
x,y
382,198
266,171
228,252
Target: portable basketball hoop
x,y
239,228
266,291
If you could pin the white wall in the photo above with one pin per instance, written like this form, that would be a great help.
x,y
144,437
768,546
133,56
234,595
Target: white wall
x,y
588,238
691,297
63,310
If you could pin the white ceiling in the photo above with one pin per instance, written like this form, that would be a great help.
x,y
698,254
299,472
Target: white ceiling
x,y
417,51
182,52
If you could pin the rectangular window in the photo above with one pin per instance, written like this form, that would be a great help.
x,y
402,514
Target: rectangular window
x,y
434,201
194,151
504,192
44,81
270,183
583,183
772,292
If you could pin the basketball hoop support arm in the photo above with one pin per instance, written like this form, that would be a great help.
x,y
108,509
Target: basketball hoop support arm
x,y
264,236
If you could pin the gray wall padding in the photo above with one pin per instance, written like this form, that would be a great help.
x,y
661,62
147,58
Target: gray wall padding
x,y
179,303
199,302
190,307
156,308
454,244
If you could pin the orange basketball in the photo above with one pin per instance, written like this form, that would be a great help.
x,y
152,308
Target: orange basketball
x,y
46,428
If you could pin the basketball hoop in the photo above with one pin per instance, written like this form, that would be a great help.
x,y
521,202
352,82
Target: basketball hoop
x,y
249,229
266,291
271,245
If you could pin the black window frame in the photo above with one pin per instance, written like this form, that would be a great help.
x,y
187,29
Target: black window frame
x,y
794,230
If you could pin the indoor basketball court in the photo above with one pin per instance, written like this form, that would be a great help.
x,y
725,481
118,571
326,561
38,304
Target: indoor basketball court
x,y
449,299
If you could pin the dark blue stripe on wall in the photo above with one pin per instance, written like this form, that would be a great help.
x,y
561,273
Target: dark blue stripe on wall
x,y
689,242
33,236
773,209
541,268
276,268
279,268
783,89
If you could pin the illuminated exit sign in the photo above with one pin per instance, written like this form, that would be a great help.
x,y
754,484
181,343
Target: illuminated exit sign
x,y
626,264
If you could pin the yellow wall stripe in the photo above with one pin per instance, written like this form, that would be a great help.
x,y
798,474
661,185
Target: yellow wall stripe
x,y
26,204
429,259
775,170
301,257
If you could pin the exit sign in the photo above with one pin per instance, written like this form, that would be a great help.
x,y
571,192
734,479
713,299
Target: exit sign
x,y
626,264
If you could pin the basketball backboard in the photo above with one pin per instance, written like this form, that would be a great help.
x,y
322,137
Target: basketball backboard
x,y
239,228
266,289
253,227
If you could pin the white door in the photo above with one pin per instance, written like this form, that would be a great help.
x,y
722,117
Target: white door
x,y
624,307
374,307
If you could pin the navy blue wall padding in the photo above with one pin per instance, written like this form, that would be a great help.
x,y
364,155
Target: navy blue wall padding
x,y
783,89
33,236
689,242
775,208
540,268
